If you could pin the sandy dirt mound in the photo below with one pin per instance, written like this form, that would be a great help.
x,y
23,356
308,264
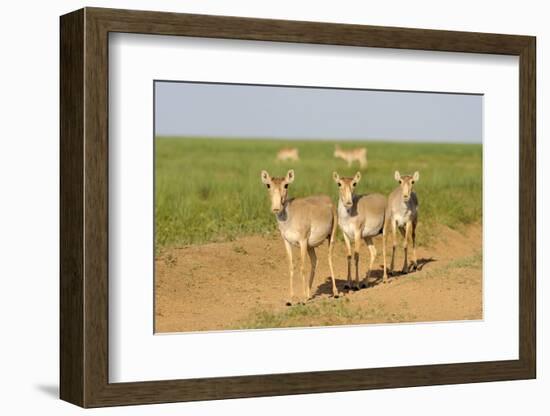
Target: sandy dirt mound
x,y
244,284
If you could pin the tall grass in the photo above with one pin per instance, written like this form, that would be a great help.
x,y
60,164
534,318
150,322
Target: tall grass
x,y
210,189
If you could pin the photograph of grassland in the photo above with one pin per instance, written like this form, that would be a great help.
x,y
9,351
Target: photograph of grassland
x,y
221,260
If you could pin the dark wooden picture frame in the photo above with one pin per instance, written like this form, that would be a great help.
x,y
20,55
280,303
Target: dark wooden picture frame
x,y
84,207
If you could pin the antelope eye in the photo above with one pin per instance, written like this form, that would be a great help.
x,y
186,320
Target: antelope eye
x,y
354,184
286,185
268,186
339,184
400,181
412,182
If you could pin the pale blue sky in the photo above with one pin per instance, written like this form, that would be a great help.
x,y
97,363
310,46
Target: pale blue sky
x,y
237,110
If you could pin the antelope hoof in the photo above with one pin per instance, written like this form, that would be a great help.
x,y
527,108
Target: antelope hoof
x,y
288,303
347,286
355,288
405,270
414,267
364,285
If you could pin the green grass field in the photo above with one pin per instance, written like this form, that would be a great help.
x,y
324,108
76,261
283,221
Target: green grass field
x,y
210,189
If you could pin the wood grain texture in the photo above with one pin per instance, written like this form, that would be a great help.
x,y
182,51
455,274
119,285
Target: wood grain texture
x,y
528,208
71,213
84,207
96,209
162,23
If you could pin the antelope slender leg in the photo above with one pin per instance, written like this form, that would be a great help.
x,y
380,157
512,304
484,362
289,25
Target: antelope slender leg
x,y
288,248
313,260
356,248
413,235
331,267
394,243
372,251
405,247
348,248
303,250
385,275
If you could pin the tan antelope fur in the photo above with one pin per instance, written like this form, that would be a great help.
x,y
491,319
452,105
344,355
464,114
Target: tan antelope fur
x,y
288,153
303,222
360,217
359,154
402,215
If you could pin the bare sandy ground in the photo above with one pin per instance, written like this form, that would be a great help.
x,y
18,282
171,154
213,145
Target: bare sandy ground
x,y
244,284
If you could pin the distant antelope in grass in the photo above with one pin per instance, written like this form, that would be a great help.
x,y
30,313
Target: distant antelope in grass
x,y
402,214
288,153
303,222
361,217
359,154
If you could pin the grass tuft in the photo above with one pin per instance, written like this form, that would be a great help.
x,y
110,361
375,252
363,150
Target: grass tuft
x,y
321,313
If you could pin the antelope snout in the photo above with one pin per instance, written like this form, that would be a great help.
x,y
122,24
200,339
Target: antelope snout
x,y
277,205
347,199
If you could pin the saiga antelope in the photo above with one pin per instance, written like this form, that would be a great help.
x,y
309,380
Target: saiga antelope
x,y
359,154
402,214
288,153
361,217
303,222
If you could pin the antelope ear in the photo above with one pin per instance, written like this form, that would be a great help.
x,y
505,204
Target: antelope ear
x,y
335,176
397,176
357,177
290,176
416,176
265,177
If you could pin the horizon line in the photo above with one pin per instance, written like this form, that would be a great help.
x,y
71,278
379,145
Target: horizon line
x,y
322,139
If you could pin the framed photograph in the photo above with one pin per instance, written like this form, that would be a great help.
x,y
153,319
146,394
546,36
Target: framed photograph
x,y
254,207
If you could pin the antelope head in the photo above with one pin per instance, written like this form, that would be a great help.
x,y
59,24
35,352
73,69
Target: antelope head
x,y
406,183
346,187
278,189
